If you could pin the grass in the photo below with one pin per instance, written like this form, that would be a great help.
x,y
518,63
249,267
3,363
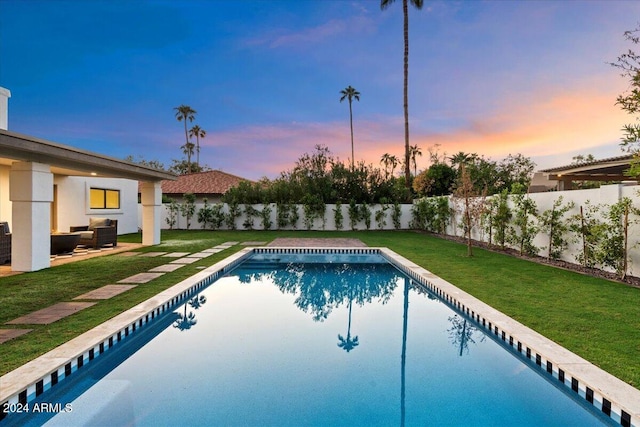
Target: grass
x,y
595,318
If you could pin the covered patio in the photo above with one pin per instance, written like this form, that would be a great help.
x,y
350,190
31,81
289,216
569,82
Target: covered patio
x,y
28,166
604,170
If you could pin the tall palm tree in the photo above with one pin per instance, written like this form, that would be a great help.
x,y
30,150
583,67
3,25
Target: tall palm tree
x,y
405,10
184,112
350,93
349,343
198,132
415,151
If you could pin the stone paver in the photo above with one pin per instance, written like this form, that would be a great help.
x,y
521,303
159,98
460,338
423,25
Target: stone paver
x,y
9,334
106,292
167,268
202,254
253,243
153,254
315,243
186,260
51,314
213,250
129,253
141,278
176,254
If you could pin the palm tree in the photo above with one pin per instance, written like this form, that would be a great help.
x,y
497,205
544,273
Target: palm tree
x,y
461,158
185,321
350,93
415,151
198,133
405,10
184,112
389,162
349,343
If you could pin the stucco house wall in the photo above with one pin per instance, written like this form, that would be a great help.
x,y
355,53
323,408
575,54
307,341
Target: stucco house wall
x,y
72,199
5,203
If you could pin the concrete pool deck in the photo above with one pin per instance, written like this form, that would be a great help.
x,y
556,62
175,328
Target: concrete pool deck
x,y
605,392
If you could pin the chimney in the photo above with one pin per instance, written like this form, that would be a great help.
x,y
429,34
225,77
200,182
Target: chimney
x,y
5,94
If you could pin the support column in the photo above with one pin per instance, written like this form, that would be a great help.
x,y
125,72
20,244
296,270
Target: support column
x,y
151,198
5,94
31,194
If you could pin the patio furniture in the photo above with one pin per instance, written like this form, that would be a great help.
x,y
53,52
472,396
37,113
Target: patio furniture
x,y
100,232
64,243
5,242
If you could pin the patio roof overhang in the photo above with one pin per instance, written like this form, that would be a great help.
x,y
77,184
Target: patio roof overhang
x,y
66,160
611,169
33,164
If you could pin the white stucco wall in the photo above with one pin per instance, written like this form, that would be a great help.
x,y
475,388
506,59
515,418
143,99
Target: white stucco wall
x,y
5,203
73,202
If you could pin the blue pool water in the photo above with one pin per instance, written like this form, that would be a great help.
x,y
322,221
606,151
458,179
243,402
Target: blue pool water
x,y
294,340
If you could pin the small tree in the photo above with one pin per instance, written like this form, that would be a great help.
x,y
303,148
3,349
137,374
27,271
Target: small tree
x,y
354,214
314,208
232,214
381,216
188,207
443,214
205,214
338,216
250,213
294,215
524,228
282,214
472,205
265,215
365,214
173,207
396,214
499,216
217,216
613,243
552,222
586,226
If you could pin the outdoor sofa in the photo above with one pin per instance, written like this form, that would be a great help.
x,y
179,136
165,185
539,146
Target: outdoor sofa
x,y
100,232
5,242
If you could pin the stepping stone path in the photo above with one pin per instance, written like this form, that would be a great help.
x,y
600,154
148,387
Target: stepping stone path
x,y
58,311
141,278
51,314
9,334
166,268
106,292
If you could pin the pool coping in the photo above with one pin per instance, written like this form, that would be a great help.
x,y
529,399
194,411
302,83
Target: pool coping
x,y
607,393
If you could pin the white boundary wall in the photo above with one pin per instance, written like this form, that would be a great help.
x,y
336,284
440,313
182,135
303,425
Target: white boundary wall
x,y
605,195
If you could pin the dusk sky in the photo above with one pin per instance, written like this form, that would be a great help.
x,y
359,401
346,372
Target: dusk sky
x,y
486,77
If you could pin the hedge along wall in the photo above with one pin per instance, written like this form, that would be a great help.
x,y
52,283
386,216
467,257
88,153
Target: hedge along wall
x,y
604,196
318,224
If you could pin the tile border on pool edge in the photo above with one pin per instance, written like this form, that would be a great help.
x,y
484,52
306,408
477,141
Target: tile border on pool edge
x,y
615,398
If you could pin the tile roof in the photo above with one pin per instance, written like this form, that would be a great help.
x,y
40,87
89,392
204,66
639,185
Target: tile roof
x,y
210,182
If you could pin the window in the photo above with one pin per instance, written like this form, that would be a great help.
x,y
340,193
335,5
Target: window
x,y
101,198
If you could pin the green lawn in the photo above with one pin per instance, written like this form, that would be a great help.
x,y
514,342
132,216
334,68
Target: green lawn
x,y
595,318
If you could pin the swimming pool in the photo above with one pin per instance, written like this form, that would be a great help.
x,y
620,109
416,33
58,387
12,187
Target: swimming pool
x,y
303,337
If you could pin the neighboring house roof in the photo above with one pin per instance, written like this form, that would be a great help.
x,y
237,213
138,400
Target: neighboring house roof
x,y
210,182
611,169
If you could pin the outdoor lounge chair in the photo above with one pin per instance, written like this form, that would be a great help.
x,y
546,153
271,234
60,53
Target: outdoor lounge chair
x,y
100,232
5,242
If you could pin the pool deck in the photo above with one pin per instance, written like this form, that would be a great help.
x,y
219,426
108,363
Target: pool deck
x,y
607,393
